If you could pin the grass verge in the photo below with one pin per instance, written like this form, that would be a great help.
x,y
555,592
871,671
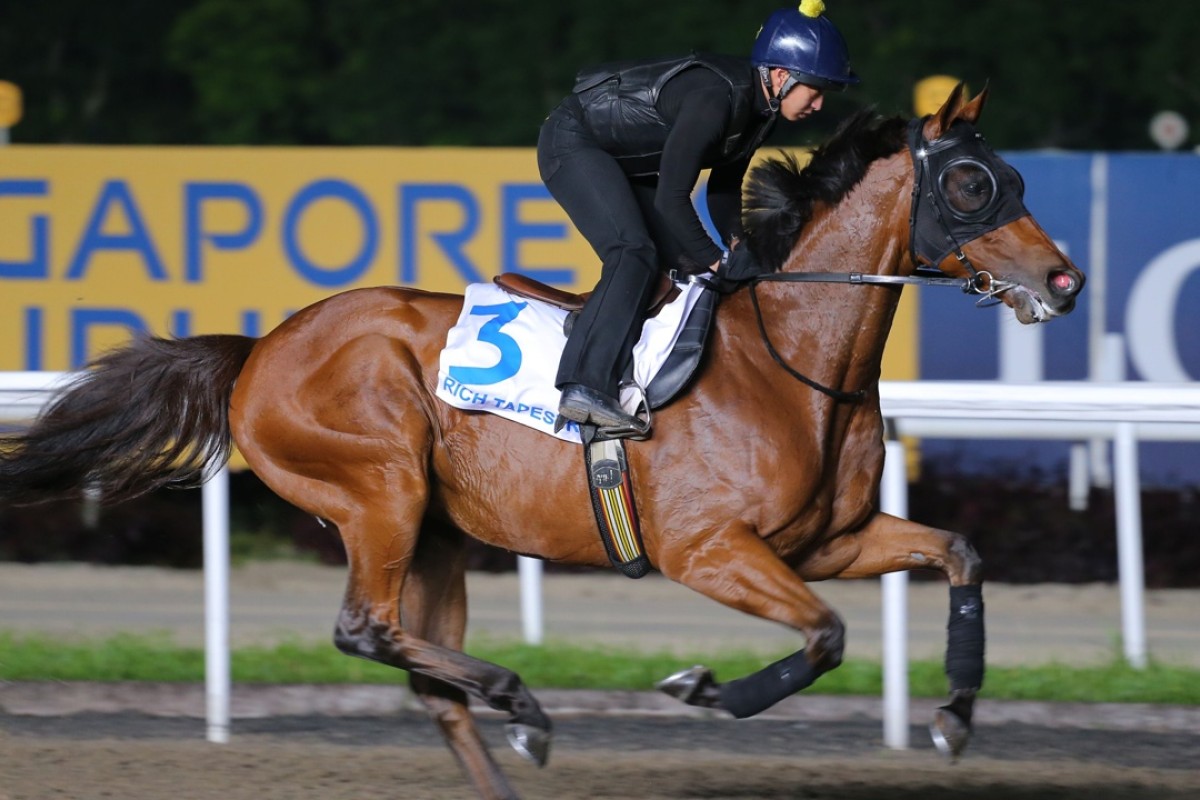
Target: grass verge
x,y
566,666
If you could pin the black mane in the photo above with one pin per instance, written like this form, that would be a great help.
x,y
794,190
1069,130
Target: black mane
x,y
780,195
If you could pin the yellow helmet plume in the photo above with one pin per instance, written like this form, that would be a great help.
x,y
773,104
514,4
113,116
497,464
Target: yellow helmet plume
x,y
812,8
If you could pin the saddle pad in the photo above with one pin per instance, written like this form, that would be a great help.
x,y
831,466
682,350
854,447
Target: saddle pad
x,y
502,356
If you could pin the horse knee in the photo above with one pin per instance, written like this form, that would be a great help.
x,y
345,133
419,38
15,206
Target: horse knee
x,y
967,566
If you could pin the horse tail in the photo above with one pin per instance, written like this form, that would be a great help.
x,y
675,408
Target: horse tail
x,y
150,414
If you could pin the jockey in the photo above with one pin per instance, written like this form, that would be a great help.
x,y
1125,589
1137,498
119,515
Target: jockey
x,y
622,154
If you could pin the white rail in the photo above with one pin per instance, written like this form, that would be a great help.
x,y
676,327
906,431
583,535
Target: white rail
x,y
1060,401
1123,412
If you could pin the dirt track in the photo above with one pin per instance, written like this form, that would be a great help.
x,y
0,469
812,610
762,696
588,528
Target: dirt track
x,y
136,757
298,755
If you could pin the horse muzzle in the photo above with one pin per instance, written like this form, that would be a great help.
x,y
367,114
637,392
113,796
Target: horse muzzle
x,y
1053,297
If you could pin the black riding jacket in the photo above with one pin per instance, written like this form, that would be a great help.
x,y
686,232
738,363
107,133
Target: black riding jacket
x,y
673,118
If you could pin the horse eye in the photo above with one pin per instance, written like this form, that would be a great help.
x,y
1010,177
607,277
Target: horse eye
x,y
975,188
967,187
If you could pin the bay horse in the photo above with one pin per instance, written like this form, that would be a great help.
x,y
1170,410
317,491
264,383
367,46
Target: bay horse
x,y
752,486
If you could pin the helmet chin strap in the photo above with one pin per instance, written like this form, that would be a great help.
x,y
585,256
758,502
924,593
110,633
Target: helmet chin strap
x,y
774,100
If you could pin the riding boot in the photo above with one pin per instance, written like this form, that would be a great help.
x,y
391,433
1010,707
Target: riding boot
x,y
600,347
582,404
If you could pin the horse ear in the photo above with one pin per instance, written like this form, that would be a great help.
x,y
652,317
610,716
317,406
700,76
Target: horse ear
x,y
939,123
971,111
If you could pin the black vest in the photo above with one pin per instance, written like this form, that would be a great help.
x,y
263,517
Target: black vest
x,y
619,106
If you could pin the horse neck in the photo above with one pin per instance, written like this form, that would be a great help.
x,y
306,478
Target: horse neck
x,y
834,332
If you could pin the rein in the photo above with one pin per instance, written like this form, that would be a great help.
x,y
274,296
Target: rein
x,y
836,394
969,285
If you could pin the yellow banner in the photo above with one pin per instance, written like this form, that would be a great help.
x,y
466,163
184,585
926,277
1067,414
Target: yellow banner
x,y
98,242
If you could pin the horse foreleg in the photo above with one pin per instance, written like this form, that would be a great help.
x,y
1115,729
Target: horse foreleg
x,y
433,606
890,544
741,571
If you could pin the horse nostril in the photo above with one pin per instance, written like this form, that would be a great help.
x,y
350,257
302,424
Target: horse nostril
x,y
1064,283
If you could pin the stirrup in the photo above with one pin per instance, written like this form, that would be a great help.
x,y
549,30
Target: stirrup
x,y
640,430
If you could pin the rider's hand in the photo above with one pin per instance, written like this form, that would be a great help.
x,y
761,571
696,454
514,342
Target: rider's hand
x,y
739,264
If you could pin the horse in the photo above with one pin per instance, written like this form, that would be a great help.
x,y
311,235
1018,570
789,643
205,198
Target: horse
x,y
752,486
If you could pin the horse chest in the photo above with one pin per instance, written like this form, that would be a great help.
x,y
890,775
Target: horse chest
x,y
826,500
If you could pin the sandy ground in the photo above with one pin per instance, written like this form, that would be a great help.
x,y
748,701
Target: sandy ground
x,y
133,757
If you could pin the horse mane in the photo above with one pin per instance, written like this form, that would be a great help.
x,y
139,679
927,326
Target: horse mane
x,y
780,195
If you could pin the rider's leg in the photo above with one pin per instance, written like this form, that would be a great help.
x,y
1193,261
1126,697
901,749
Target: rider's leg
x,y
596,194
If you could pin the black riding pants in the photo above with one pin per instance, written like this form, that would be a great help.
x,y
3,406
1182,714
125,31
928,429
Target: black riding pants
x,y
608,209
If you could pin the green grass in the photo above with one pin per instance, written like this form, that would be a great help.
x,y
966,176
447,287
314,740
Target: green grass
x,y
565,666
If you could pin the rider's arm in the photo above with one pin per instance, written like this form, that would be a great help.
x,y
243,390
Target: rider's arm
x,y
725,199
698,128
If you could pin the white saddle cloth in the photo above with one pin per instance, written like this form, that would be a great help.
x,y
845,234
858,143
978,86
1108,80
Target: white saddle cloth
x,y
502,356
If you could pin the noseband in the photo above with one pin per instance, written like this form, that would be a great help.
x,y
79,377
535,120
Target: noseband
x,y
961,190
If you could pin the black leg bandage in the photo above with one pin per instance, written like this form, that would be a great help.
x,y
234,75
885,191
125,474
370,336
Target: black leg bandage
x,y
965,638
747,696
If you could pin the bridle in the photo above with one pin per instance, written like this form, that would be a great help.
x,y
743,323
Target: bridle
x,y
938,226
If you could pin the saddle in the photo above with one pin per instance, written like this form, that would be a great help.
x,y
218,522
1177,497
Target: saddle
x,y
679,366
524,286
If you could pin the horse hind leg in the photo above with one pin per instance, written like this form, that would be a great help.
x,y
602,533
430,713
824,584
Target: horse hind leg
x,y
372,632
433,606
381,544
890,544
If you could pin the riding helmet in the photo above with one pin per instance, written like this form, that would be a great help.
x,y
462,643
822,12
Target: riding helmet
x,y
804,42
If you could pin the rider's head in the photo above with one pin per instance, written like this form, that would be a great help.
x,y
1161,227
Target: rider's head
x,y
805,43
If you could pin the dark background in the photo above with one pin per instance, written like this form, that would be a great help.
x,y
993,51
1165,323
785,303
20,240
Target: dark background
x,y
1078,74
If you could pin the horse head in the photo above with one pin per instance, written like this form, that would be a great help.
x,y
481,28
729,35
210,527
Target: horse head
x,y
969,218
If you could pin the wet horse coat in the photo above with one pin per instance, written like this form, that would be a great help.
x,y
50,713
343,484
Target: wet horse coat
x,y
752,486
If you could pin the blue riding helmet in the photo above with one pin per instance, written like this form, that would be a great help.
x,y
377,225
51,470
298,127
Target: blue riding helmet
x,y
809,47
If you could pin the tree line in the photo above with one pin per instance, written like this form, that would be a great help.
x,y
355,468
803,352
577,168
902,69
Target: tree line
x,y
1072,74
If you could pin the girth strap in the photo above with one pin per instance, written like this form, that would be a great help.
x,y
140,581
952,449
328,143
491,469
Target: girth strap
x,y
611,492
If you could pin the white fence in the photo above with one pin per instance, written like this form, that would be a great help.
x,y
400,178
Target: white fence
x,y
1121,412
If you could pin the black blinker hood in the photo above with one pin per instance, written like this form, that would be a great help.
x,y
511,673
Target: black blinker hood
x,y
936,230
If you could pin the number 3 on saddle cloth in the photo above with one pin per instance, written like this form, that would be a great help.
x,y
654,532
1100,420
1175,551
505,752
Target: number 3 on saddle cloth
x,y
501,358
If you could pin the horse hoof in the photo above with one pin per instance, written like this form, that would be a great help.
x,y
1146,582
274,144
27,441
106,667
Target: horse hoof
x,y
532,743
691,686
950,733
